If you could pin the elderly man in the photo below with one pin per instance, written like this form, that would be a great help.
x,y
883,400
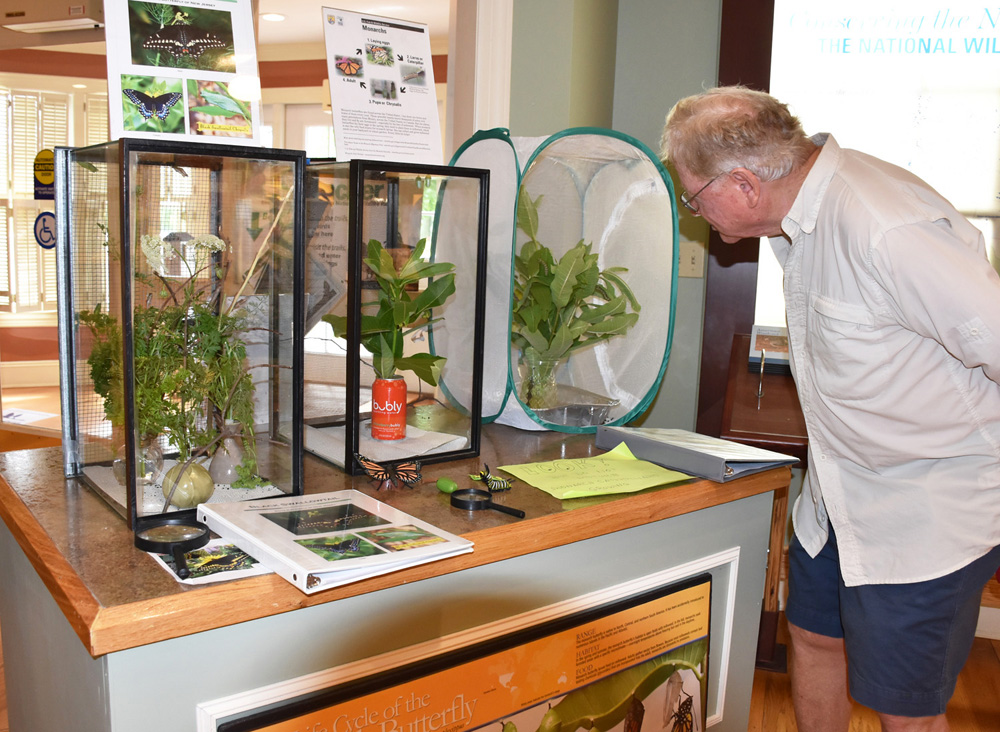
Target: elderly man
x,y
893,314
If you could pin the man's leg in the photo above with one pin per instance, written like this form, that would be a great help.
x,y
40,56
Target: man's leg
x,y
906,643
819,682
818,657
891,723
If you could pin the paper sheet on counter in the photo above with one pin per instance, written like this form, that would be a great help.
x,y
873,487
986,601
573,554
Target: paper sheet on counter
x,y
616,471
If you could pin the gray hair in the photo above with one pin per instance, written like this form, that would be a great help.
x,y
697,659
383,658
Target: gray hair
x,y
734,127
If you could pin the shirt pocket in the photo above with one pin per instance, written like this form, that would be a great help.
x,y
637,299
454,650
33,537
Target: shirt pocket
x,y
848,351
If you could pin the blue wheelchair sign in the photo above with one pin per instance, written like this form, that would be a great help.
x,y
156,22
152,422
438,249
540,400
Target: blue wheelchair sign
x,y
45,230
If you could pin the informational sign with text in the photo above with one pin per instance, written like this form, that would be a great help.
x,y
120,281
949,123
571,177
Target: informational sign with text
x,y
381,88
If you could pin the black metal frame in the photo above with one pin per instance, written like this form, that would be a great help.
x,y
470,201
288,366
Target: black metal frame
x,y
359,172
126,147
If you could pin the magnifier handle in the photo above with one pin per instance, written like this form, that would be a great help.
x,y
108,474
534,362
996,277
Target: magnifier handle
x,y
180,563
506,509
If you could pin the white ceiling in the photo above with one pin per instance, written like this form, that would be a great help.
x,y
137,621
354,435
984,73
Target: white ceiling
x,y
303,18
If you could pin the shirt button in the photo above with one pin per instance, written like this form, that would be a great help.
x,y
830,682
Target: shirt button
x,y
974,331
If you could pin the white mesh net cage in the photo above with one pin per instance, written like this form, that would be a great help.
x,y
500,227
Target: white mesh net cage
x,y
582,277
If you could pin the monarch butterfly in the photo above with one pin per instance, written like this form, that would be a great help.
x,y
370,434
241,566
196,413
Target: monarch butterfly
x,y
390,476
493,483
380,55
183,41
683,718
348,66
158,107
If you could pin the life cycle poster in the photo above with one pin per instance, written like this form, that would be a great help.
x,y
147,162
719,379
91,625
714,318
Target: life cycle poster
x,y
381,88
183,70
636,665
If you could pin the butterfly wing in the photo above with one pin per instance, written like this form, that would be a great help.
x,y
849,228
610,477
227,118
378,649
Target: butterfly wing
x,y
348,66
183,41
408,473
143,101
372,469
163,103
152,106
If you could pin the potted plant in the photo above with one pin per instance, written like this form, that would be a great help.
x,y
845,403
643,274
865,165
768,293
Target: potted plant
x,y
399,310
191,379
561,306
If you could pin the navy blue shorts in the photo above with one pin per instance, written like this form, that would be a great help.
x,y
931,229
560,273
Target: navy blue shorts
x,y
906,643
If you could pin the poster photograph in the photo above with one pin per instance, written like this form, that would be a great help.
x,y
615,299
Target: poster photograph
x,y
182,70
635,664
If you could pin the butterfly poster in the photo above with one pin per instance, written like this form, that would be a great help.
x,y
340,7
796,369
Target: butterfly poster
x,y
182,70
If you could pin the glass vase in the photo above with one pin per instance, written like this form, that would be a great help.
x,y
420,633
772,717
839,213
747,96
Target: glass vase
x,y
149,461
228,455
539,389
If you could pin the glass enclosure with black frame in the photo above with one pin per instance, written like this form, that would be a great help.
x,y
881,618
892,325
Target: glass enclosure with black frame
x,y
395,300
180,268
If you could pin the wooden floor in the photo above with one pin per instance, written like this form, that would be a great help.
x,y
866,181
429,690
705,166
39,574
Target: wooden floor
x,y
975,707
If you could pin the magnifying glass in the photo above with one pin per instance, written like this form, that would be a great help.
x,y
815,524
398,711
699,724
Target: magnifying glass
x,y
175,536
476,499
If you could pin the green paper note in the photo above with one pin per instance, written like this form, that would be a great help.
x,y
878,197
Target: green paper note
x,y
616,471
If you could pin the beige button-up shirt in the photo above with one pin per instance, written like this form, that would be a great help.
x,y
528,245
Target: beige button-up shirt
x,y
894,326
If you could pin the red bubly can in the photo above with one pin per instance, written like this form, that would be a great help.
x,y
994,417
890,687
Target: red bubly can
x,y
389,408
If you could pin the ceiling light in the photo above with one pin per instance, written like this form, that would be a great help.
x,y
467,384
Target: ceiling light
x,y
79,86
273,17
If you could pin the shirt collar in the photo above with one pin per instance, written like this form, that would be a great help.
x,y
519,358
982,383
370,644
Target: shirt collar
x,y
803,214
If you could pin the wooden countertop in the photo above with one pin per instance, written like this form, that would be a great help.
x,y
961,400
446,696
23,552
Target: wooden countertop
x,y
116,596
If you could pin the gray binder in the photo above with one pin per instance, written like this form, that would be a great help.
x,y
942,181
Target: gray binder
x,y
689,452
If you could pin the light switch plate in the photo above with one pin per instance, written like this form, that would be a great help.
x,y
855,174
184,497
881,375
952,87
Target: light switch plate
x,y
692,263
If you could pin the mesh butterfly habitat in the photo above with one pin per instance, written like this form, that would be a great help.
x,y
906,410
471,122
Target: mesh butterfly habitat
x,y
179,322
395,304
582,277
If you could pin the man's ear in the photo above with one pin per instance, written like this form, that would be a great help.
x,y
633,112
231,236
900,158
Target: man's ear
x,y
749,185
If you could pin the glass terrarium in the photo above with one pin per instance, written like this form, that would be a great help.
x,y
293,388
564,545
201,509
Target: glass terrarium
x,y
395,298
179,319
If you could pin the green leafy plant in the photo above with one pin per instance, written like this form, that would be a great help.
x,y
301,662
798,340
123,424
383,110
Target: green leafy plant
x,y
401,309
565,305
189,356
219,102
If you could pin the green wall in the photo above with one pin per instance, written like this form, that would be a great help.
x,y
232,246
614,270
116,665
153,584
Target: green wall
x,y
622,64
563,68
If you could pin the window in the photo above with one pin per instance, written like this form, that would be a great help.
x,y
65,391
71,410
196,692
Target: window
x,y
909,83
29,122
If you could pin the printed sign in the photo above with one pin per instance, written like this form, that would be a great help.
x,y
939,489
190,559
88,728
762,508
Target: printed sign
x,y
45,175
45,230
636,665
183,70
381,88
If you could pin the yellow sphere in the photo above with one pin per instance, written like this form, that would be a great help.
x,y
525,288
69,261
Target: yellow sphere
x,y
193,487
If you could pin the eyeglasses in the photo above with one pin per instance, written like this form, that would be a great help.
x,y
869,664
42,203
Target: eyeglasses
x,y
689,202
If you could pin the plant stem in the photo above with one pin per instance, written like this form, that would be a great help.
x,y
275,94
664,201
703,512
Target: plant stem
x,y
260,251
